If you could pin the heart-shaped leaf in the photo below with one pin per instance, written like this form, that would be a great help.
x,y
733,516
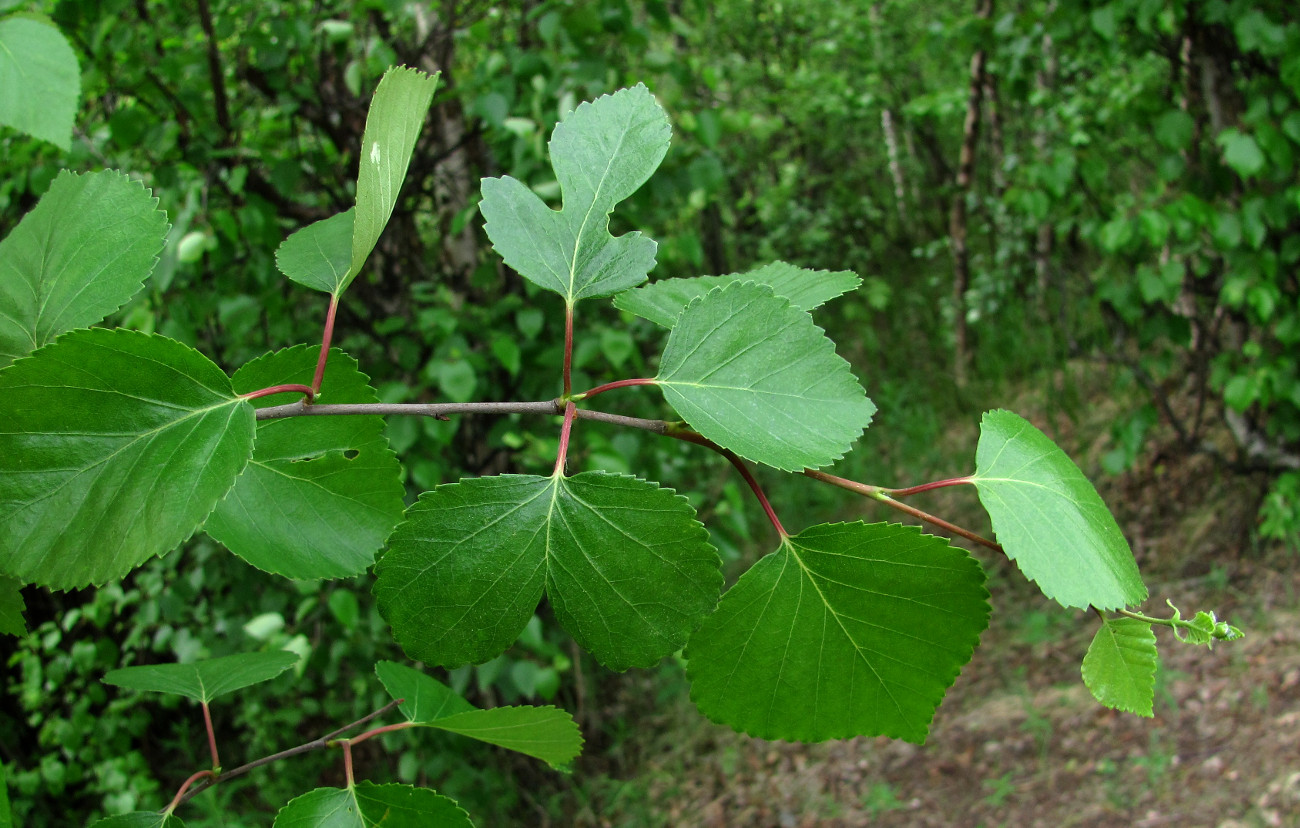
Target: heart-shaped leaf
x,y
1120,666
366,805
602,153
846,630
39,80
662,302
85,249
627,568
114,447
206,680
755,375
544,733
1050,519
320,494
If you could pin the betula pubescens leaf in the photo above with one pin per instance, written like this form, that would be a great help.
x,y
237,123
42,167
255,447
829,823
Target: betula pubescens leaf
x,y
602,153
80,254
662,302
319,255
40,80
755,375
320,494
11,606
627,568
140,819
1049,518
204,680
366,805
846,630
1120,666
545,733
114,447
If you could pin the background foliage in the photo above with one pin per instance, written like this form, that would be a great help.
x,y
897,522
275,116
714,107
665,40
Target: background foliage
x,y
1134,201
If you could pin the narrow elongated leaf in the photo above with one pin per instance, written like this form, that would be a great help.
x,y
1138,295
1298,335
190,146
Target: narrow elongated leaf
x,y
114,447
627,568
393,124
39,80
78,256
846,630
366,805
320,254
662,302
1050,519
602,153
545,733
140,819
755,375
11,607
320,494
204,681
1120,667
424,699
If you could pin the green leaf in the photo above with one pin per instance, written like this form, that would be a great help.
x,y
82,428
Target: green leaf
x,y
320,254
602,153
756,376
204,681
544,733
1050,519
11,607
392,126
366,805
628,570
1241,152
320,494
662,302
39,80
6,813
78,256
140,819
424,699
846,630
1120,667
114,447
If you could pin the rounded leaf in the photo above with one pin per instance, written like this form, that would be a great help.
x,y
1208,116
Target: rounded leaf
x,y
366,805
204,680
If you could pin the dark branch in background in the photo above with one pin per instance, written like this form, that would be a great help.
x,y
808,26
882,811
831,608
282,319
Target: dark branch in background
x,y
216,76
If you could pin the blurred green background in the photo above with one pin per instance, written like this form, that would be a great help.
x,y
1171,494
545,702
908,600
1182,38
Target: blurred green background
x,y
1130,208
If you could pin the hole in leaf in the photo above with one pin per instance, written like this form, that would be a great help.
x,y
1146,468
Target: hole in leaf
x,y
352,454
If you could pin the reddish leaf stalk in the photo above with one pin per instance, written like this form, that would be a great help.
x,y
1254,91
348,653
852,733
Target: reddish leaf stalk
x,y
185,786
280,389
882,495
610,386
568,349
570,411
325,344
700,440
925,487
212,737
347,762
378,731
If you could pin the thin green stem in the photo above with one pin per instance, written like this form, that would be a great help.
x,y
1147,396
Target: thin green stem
x,y
212,737
325,344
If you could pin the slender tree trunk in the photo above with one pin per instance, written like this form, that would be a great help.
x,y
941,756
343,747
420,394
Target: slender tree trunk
x,y
1045,81
887,123
957,224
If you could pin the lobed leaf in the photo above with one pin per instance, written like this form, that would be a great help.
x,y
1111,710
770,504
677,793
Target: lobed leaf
x,y
846,630
755,375
11,607
1120,666
85,249
544,733
114,447
602,153
627,568
205,680
40,80
320,494
319,255
366,805
663,301
1050,519
393,124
